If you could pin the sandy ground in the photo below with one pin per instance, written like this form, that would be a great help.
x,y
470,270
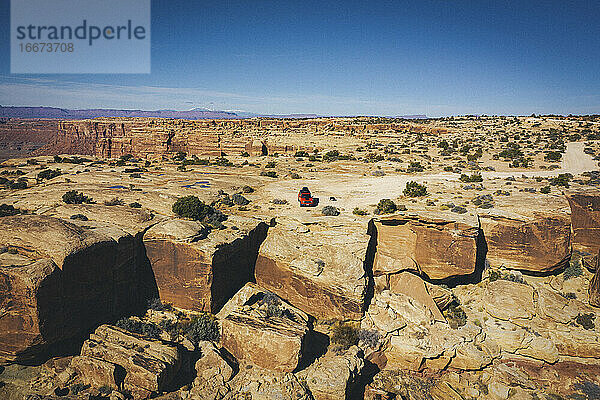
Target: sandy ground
x,y
362,191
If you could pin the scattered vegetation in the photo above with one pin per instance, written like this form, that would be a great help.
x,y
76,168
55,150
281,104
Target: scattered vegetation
x,y
270,174
330,211
358,211
115,201
135,204
7,210
561,180
344,335
75,197
586,320
471,178
48,174
574,269
545,190
194,208
202,327
455,315
385,206
147,329
414,189
415,166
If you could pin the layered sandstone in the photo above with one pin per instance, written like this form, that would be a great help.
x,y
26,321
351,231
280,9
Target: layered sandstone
x,y
540,242
438,248
60,280
585,220
200,271
141,365
257,327
319,268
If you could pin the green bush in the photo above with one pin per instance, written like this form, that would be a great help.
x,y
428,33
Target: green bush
x,y
142,328
456,316
202,327
135,204
561,180
385,206
115,201
270,164
574,268
295,175
8,210
332,155
586,320
414,189
545,190
301,153
74,197
553,156
270,174
344,335
358,211
247,189
471,178
415,166
191,207
49,174
330,211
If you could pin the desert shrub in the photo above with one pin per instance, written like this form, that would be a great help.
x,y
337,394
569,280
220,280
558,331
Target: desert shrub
x,y
270,174
385,206
301,153
344,335
414,189
369,336
180,156
49,174
191,207
358,211
511,151
455,315
270,164
574,269
495,275
279,201
415,166
32,161
239,200
75,197
330,211
295,175
273,305
135,204
79,217
378,173
157,305
586,320
458,209
545,190
8,210
115,201
20,183
561,180
105,390
471,178
553,156
147,329
448,168
202,327
331,155
245,154
247,189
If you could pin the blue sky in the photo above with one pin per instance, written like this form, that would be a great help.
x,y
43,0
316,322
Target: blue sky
x,y
346,58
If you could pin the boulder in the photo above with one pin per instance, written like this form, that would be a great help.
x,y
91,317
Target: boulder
x,y
253,382
540,242
141,365
198,271
585,220
413,286
332,376
436,247
212,373
319,269
59,280
258,327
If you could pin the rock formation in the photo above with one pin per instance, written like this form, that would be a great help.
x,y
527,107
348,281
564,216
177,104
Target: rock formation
x,y
317,268
585,220
199,271
60,280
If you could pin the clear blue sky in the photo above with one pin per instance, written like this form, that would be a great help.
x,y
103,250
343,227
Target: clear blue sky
x,y
346,58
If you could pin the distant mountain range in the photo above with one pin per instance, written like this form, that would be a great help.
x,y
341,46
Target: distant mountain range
x,y
195,113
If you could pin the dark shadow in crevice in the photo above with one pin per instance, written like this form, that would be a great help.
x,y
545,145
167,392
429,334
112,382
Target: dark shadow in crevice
x,y
314,345
368,264
356,390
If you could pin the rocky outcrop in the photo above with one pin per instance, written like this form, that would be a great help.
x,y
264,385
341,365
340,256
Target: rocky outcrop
x,y
139,365
413,286
537,243
212,373
585,220
437,248
258,327
58,281
332,376
317,268
199,271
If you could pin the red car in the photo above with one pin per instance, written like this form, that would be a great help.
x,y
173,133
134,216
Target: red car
x,y
305,198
